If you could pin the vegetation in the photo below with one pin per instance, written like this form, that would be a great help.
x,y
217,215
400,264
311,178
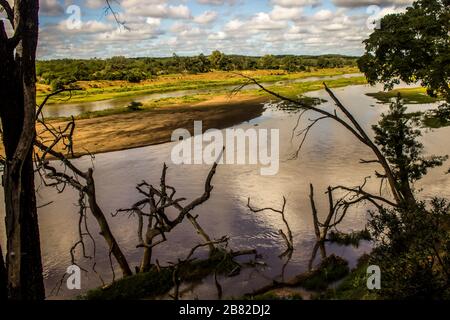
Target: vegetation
x,y
159,281
135,70
353,286
411,46
295,90
353,238
331,269
103,90
283,294
413,251
412,239
409,96
437,118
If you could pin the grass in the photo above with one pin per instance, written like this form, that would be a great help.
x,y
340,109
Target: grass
x,y
435,122
296,89
353,238
104,90
156,282
331,269
409,96
292,90
278,295
353,286
164,102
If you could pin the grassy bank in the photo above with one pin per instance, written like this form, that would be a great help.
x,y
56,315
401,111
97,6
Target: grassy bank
x,y
292,90
353,286
409,95
159,281
104,90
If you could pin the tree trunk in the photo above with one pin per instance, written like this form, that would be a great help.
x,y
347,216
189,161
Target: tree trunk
x,y
105,231
3,278
17,111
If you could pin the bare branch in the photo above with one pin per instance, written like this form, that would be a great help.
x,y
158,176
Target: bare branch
x,y
287,238
9,11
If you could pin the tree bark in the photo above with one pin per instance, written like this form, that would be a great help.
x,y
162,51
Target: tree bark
x,y
3,278
17,112
105,231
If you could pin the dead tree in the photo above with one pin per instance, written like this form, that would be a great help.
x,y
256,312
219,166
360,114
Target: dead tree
x,y
81,181
158,202
84,183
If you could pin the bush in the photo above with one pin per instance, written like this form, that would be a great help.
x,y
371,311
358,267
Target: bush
x,y
134,77
134,106
331,269
57,84
413,251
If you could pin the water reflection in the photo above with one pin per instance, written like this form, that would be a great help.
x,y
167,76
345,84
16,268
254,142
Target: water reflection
x,y
330,157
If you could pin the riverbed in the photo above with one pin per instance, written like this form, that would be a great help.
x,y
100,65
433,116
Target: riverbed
x,y
330,156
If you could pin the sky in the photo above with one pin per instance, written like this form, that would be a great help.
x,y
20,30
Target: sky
x,y
156,28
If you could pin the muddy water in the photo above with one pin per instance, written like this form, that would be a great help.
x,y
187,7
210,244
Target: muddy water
x,y
73,109
330,157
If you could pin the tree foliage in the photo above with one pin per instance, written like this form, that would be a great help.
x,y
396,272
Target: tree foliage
x,y
60,72
398,138
412,241
412,46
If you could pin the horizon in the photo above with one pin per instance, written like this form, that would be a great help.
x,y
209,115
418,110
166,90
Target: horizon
x,y
331,55
83,29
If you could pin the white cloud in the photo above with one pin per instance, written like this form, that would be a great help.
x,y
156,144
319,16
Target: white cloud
x,y
263,21
156,9
365,3
217,2
283,13
95,4
323,15
161,27
50,8
218,36
206,17
86,27
296,3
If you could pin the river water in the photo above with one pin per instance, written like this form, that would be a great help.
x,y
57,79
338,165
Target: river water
x,y
73,109
329,157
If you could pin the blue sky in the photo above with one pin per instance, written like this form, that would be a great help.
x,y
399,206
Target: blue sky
x,y
188,27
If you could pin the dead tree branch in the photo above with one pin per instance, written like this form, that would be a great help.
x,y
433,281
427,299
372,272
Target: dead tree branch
x,y
288,239
350,123
154,207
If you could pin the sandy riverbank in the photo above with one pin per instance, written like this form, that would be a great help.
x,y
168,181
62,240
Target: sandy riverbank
x,y
154,126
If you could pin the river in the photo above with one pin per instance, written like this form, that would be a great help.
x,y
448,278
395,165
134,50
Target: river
x,y
329,157
74,109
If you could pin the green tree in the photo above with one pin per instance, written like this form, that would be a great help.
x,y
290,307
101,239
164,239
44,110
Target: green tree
x,y
412,240
268,62
411,46
398,140
220,61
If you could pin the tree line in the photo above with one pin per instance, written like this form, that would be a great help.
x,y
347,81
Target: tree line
x,y
63,71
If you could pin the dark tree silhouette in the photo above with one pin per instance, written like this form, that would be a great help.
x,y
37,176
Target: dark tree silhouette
x,y
18,113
